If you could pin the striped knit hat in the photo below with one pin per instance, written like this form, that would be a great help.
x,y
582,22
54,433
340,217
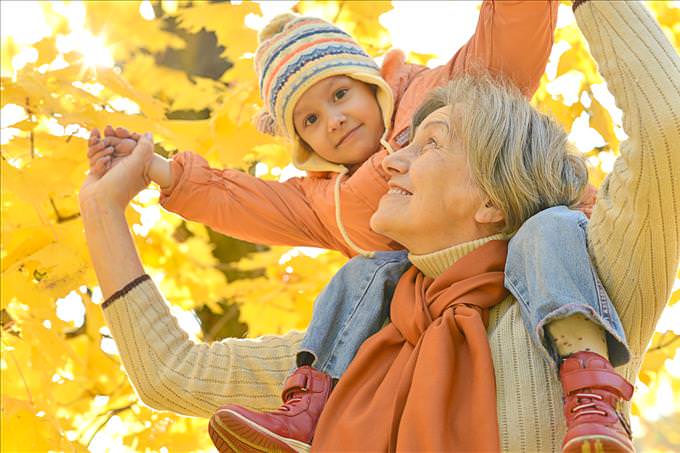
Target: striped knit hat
x,y
294,54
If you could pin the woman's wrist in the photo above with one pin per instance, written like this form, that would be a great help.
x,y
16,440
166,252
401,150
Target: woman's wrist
x,y
112,251
98,205
94,199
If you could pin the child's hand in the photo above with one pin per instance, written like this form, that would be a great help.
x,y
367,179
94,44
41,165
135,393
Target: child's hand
x,y
120,132
103,152
99,153
117,144
122,140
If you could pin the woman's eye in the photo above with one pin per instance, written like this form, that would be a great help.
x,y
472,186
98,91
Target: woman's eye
x,y
309,120
340,94
432,142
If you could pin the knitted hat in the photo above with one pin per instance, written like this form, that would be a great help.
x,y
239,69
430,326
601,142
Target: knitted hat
x,y
294,54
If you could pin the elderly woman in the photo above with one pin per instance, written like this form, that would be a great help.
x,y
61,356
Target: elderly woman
x,y
456,369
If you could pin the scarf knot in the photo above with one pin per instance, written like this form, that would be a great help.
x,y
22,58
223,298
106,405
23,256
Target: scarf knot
x,y
413,318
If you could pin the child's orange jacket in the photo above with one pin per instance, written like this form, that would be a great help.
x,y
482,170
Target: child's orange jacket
x,y
512,37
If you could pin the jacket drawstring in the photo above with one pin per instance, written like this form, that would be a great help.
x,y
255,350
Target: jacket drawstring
x,y
338,215
338,219
386,144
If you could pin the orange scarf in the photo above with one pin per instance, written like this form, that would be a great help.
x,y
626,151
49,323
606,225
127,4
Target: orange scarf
x,y
426,381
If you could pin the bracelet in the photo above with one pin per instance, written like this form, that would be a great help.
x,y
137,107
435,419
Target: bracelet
x,y
125,289
576,3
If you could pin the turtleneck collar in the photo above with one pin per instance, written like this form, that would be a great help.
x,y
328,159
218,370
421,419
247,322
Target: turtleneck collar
x,y
433,264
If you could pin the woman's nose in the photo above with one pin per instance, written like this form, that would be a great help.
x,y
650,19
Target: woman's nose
x,y
398,162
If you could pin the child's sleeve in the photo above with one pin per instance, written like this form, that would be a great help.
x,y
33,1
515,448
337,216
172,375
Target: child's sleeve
x,y
513,38
297,212
243,206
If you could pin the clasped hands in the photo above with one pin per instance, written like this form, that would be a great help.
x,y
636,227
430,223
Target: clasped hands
x,y
119,166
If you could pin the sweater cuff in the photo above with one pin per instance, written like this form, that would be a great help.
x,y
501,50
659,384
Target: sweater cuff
x,y
125,289
576,3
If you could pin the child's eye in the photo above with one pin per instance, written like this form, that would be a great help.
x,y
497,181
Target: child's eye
x,y
309,120
340,94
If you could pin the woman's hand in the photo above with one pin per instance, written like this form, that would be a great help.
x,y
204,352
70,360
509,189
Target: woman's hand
x,y
114,178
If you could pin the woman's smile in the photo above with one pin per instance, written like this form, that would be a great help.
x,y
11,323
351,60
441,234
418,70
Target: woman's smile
x,y
395,189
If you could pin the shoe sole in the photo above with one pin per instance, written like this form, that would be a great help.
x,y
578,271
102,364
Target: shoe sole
x,y
236,431
591,444
225,444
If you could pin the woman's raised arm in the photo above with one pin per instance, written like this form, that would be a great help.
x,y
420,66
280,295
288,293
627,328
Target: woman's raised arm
x,y
167,369
102,205
634,233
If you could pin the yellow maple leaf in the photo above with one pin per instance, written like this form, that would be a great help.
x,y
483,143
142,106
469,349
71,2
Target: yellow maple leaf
x,y
227,21
602,122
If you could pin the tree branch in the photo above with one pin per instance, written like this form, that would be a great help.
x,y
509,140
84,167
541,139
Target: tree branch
x,y
112,412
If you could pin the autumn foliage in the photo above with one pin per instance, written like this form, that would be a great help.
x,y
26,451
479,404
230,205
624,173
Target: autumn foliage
x,y
183,71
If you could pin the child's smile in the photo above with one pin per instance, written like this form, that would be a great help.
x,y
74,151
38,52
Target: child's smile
x,y
349,136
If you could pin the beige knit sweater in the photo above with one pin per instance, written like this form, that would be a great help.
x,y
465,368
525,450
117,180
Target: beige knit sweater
x,y
633,237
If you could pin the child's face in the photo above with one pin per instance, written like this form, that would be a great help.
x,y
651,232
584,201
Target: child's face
x,y
340,119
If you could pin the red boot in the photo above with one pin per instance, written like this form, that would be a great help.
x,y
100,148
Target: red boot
x,y
592,399
290,428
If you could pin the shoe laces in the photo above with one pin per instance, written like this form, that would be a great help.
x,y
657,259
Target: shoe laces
x,y
590,407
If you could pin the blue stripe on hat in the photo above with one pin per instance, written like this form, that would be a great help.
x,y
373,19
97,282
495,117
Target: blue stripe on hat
x,y
292,39
317,53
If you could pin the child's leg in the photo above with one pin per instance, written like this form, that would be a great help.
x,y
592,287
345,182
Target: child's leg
x,y
589,337
572,320
353,306
549,272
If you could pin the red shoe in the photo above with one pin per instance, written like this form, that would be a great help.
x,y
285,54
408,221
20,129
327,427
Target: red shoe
x,y
289,429
592,399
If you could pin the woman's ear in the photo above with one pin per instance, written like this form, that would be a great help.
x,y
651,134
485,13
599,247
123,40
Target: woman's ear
x,y
488,213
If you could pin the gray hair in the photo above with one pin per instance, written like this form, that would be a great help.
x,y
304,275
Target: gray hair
x,y
518,157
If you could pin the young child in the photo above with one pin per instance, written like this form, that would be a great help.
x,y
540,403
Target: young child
x,y
323,92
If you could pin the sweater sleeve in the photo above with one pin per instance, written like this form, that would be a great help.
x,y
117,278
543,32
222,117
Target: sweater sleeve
x,y
248,208
171,372
633,234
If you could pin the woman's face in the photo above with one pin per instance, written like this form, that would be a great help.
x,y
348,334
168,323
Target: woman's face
x,y
432,201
